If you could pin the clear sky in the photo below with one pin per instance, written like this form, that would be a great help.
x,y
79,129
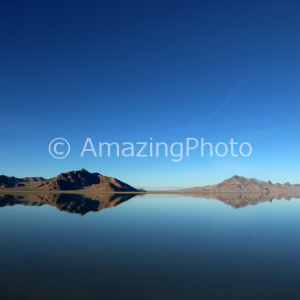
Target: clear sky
x,y
120,71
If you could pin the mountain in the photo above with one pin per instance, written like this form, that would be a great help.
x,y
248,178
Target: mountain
x,y
74,180
96,182
8,182
242,184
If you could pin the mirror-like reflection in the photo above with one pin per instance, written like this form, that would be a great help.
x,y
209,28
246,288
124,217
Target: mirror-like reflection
x,y
239,200
82,204
150,247
72,203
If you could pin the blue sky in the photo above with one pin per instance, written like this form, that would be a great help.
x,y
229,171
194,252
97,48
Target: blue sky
x,y
120,71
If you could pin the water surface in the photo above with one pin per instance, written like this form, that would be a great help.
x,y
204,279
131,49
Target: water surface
x,y
148,247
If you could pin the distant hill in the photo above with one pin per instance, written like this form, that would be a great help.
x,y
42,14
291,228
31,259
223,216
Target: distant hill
x,y
242,184
8,182
74,180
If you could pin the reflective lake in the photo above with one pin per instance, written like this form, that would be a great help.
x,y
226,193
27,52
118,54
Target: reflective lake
x,y
149,247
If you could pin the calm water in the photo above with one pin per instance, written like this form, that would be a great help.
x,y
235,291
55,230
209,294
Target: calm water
x,y
148,247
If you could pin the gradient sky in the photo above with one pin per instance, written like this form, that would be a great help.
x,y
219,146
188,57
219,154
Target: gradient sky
x,y
120,71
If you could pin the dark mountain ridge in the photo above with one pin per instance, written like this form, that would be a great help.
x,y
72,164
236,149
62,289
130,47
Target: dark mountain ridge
x,y
73,180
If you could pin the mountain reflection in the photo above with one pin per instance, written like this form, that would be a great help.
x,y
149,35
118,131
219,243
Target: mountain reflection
x,y
72,203
82,204
239,200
